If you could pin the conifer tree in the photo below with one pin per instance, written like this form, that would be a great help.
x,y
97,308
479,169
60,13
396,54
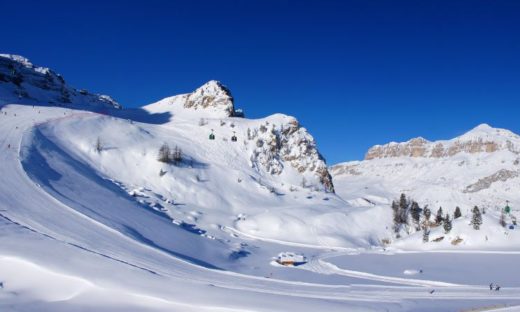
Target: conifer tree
x,y
396,217
99,145
457,213
476,220
427,214
447,224
416,215
439,217
426,234
164,153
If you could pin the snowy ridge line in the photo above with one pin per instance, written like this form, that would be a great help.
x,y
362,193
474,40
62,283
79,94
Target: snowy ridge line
x,y
76,245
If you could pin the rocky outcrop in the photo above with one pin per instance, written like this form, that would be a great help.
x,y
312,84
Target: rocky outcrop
x,y
212,94
23,83
482,139
343,169
282,141
484,183
211,100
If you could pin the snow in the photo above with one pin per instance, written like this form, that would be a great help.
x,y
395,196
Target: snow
x,y
113,229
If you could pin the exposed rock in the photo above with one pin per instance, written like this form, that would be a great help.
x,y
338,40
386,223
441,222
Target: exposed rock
x,y
28,84
484,183
345,170
482,139
283,142
211,94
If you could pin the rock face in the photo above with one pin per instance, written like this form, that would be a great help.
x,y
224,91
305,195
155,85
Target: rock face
x,y
281,141
482,139
211,94
23,83
485,183
211,100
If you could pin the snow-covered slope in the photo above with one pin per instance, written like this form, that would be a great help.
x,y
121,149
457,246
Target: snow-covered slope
x,y
92,220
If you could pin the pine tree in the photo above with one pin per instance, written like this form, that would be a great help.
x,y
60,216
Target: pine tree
x,y
99,145
396,217
477,218
457,213
426,234
164,153
403,209
403,202
416,215
176,156
427,214
447,224
439,217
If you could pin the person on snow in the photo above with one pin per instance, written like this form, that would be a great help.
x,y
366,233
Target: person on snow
x,y
491,286
497,288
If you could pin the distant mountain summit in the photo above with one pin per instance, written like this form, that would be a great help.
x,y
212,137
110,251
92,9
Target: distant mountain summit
x,y
23,83
480,167
481,139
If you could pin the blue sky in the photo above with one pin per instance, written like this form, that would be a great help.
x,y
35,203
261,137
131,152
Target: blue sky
x,y
355,73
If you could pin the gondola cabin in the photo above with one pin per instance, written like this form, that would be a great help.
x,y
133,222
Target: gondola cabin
x,y
234,138
212,136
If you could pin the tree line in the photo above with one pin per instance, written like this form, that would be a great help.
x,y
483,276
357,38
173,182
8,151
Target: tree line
x,y
408,216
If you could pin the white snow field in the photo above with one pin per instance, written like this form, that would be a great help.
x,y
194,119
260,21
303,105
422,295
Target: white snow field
x,y
90,220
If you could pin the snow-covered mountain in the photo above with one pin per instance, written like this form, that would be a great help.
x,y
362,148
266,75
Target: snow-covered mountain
x,y
276,145
480,167
183,205
22,82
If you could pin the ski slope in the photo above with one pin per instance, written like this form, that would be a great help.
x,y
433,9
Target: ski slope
x,y
93,250
91,220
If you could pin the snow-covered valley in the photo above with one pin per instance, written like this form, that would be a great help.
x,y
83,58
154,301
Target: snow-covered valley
x,y
92,217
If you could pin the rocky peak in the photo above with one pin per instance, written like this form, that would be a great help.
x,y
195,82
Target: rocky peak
x,y
280,141
481,139
212,94
211,100
23,83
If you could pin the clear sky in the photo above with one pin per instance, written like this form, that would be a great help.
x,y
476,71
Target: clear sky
x,y
355,73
